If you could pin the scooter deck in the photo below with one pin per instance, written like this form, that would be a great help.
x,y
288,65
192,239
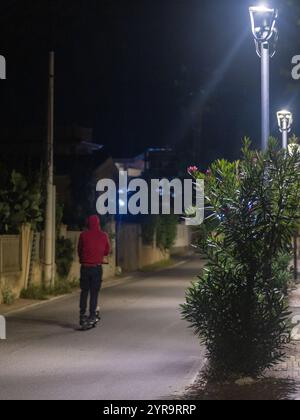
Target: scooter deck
x,y
88,327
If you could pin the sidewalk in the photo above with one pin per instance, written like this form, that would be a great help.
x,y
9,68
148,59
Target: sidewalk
x,y
290,368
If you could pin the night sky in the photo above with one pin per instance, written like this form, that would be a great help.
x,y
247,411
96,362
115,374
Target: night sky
x,y
143,73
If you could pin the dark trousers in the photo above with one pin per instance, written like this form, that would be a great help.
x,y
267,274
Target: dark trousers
x,y
90,284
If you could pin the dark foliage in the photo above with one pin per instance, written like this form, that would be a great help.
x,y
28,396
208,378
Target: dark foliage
x,y
64,256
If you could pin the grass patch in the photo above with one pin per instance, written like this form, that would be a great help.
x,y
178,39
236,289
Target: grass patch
x,y
62,287
34,293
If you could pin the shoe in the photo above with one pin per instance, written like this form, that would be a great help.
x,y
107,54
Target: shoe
x,y
98,317
92,320
83,320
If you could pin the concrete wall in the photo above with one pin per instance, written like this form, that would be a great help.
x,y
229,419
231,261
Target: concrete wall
x,y
15,253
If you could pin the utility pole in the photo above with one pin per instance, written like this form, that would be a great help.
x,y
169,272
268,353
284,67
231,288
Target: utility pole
x,y
49,229
54,235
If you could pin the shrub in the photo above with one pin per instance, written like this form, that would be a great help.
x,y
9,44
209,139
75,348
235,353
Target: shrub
x,y
166,231
284,277
164,227
34,292
61,287
64,256
8,296
149,227
20,201
238,307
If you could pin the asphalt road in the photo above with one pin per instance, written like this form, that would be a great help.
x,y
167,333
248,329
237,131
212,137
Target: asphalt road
x,y
141,350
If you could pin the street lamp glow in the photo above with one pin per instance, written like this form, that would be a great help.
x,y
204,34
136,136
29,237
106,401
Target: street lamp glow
x,y
285,122
261,9
263,23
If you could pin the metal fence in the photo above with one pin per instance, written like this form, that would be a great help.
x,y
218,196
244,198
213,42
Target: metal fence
x,y
10,254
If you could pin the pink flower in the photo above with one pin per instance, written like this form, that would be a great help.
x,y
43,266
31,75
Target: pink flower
x,y
208,172
192,170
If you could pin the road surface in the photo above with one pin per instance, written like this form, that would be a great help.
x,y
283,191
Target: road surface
x,y
141,350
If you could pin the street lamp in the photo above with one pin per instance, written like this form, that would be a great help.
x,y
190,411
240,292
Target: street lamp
x,y
263,23
285,121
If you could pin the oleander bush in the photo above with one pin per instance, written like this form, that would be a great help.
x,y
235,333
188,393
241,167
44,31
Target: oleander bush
x,y
238,307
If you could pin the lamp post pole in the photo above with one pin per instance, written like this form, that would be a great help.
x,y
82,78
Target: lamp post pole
x,y
263,23
265,94
285,138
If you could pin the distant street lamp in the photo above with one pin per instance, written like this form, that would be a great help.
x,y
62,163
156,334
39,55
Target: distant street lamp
x,y
285,121
263,22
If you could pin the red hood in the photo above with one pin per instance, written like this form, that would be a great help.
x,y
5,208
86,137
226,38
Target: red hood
x,y
94,223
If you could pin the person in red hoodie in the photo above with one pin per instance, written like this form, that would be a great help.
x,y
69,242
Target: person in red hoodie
x,y
93,247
